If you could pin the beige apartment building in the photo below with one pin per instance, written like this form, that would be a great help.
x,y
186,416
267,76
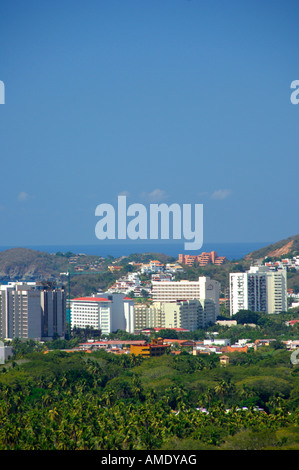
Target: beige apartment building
x,y
187,314
202,289
148,316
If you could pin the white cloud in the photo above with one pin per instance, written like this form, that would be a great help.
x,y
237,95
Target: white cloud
x,y
156,195
23,196
221,194
124,193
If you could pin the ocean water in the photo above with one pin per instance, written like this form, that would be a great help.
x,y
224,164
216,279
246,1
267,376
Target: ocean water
x,y
229,250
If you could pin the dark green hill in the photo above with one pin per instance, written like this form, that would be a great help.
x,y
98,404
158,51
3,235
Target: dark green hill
x,y
23,263
27,264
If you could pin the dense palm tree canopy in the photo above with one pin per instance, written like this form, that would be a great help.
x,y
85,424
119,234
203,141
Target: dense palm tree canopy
x,y
73,401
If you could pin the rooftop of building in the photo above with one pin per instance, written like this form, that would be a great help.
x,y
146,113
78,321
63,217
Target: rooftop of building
x,y
163,328
91,299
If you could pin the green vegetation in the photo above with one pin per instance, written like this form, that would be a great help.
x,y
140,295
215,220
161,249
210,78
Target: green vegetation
x,y
73,401
254,325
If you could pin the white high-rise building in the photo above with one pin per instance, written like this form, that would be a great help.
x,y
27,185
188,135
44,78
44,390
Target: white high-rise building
x,y
260,289
171,291
105,312
31,311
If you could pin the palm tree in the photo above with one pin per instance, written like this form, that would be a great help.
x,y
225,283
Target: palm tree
x,y
107,396
247,392
54,415
133,360
46,399
63,381
93,367
208,395
151,396
223,388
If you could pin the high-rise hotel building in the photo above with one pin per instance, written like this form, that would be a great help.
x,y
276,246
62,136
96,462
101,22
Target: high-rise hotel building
x,y
32,311
202,289
260,290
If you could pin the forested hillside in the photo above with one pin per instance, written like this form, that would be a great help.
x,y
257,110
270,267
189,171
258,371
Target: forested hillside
x,y
288,246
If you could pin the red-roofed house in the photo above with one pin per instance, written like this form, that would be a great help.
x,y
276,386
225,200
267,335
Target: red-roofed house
x,y
292,322
234,348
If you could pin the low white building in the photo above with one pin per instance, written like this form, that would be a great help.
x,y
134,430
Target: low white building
x,y
228,323
216,342
6,352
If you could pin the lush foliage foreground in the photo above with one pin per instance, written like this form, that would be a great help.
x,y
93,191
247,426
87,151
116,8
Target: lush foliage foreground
x,y
100,401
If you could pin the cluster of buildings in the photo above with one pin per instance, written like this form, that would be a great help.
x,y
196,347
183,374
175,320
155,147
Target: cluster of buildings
x,y
284,263
132,283
174,304
80,263
37,311
294,298
158,346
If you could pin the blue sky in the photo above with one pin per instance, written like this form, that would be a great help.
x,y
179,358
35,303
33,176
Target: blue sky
x,y
182,101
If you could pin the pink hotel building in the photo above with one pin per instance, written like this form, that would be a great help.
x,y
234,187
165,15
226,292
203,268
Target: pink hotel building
x,y
203,259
